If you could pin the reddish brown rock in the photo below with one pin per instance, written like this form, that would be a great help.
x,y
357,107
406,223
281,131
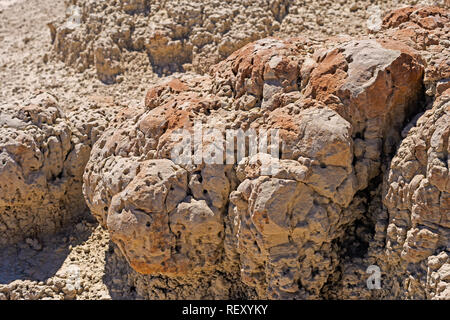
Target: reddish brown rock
x,y
373,85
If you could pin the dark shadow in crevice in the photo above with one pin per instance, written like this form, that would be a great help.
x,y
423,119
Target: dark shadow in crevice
x,y
118,275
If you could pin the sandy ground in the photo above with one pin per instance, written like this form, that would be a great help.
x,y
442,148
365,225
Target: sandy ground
x,y
6,3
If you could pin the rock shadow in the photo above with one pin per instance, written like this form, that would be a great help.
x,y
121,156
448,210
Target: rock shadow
x,y
39,258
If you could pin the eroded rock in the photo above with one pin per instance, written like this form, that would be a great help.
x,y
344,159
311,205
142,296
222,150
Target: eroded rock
x,y
404,225
417,199
35,179
279,229
176,36
427,30
43,154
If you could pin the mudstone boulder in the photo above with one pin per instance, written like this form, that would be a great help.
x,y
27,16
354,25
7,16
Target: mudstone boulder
x,y
362,171
338,114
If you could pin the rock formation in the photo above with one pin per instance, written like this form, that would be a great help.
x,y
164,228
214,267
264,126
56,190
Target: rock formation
x,y
355,178
38,168
416,185
417,198
175,35
339,114
43,154
191,35
405,218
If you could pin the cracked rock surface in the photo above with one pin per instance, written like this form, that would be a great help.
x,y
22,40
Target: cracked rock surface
x,y
417,200
94,206
405,219
40,169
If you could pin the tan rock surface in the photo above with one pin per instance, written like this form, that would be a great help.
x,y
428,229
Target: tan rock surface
x,y
397,228
363,175
417,199
194,35
40,188
274,222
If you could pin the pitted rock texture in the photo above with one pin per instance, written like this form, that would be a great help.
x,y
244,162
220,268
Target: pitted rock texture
x,y
313,94
36,178
417,198
43,155
427,29
176,35
194,35
404,225
279,229
362,81
405,220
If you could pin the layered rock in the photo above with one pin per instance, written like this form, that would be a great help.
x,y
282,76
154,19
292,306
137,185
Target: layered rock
x,y
417,198
416,187
279,230
405,220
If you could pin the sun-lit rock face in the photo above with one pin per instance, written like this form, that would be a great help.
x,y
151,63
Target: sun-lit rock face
x,y
335,114
417,198
276,161
43,153
426,29
40,169
407,231
176,35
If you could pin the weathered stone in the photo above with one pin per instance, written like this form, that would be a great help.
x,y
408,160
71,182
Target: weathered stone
x,y
279,228
43,153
